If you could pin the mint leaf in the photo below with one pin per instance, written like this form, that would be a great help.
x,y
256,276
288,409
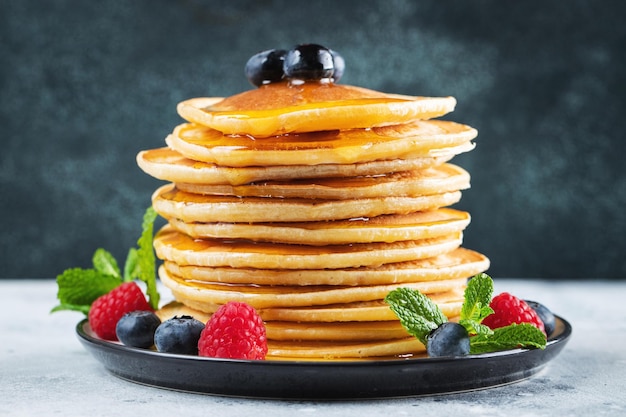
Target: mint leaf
x,y
72,307
475,308
130,266
478,294
78,288
475,328
105,263
509,337
418,314
146,261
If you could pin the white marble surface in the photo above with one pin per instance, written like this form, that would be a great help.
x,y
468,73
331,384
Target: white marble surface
x,y
45,371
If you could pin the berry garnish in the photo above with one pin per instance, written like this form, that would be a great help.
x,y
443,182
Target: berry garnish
x,y
108,309
508,309
449,339
546,316
234,331
340,65
105,293
179,334
308,62
265,67
137,328
422,318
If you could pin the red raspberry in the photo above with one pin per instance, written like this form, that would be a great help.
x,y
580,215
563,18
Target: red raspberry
x,y
509,309
109,308
235,331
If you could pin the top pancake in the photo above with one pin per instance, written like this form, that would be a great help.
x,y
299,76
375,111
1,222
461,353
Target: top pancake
x,y
280,108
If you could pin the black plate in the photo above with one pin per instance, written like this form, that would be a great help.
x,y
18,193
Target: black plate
x,y
341,379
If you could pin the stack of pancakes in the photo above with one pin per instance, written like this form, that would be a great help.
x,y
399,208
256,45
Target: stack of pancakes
x,y
311,202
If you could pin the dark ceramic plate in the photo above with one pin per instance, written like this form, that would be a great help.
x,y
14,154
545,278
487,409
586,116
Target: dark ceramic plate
x,y
339,379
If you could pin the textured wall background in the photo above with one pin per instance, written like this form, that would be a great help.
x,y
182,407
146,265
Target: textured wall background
x,y
85,85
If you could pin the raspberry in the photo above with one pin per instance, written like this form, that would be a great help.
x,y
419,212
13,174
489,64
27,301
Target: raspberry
x,y
235,331
509,309
109,308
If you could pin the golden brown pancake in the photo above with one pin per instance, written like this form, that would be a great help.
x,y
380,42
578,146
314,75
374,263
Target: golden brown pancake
x,y
436,180
290,296
174,246
385,228
417,139
449,302
459,263
170,202
280,108
169,165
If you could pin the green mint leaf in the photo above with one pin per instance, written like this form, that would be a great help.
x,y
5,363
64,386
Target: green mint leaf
x,y
509,337
78,288
130,266
105,263
478,295
418,314
146,261
475,328
71,307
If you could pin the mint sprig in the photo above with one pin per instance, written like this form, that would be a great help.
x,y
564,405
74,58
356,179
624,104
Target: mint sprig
x,y
509,337
78,288
419,315
478,294
145,267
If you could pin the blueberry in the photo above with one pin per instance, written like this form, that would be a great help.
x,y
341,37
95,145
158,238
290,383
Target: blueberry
x,y
309,62
340,65
179,335
546,316
449,339
137,328
265,67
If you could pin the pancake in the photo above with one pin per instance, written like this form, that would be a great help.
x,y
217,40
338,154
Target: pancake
x,y
449,302
366,311
350,331
279,108
170,202
417,139
385,228
169,165
174,246
459,263
405,347
290,296
436,180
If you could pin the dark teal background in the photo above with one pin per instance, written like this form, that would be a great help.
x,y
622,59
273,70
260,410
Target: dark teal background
x,y
85,85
